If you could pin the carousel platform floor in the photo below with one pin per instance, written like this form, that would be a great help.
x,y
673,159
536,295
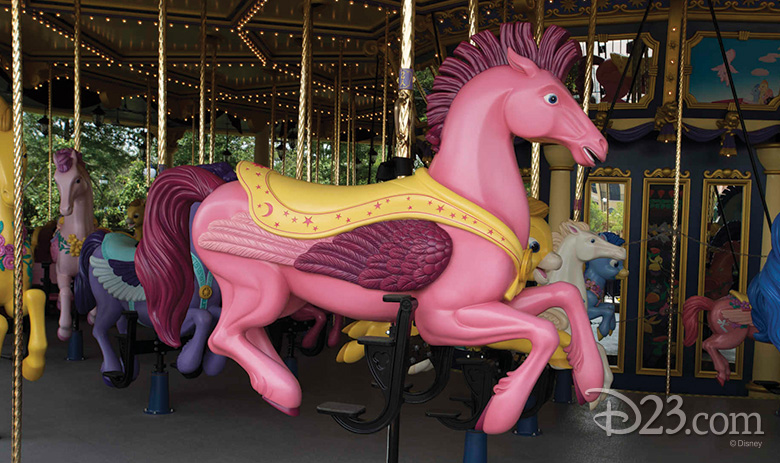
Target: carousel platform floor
x,y
70,416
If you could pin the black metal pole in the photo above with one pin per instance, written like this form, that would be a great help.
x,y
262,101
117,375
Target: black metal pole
x,y
739,112
393,438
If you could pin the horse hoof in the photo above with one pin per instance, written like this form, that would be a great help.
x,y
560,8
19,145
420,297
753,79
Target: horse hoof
x,y
193,374
64,333
600,336
286,410
91,316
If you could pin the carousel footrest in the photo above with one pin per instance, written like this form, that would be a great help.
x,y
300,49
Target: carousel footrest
x,y
114,375
771,386
465,400
376,341
451,414
341,409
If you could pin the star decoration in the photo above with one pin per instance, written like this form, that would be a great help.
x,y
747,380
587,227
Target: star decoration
x,y
295,219
307,221
349,220
465,217
378,205
440,208
430,203
276,224
338,216
490,232
452,215
286,213
369,213
315,228
387,200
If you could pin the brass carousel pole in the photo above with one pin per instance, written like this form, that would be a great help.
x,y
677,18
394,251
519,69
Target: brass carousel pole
x,y
202,106
49,116
192,147
284,143
148,131
384,86
353,118
303,95
213,109
77,75
309,123
676,209
337,119
405,81
162,87
536,148
349,127
16,405
473,17
273,124
579,192
319,145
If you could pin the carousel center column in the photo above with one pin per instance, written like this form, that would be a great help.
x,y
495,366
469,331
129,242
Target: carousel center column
x,y
561,166
766,358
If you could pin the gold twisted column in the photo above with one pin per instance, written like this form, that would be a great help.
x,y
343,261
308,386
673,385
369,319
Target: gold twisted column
x,y
273,123
16,405
473,17
77,74
349,128
337,120
579,191
162,86
353,118
676,209
213,109
192,147
386,58
303,94
405,81
148,131
319,144
536,148
284,143
309,109
49,116
202,106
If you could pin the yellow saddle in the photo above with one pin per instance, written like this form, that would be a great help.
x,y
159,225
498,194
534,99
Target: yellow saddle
x,y
301,210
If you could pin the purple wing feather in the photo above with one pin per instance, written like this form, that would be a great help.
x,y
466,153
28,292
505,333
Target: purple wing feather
x,y
125,270
400,255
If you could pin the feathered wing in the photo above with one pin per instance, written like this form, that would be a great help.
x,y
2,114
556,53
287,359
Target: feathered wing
x,y
738,316
118,278
400,255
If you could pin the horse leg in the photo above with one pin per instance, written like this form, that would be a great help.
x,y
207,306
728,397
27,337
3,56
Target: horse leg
x,y
35,306
582,353
108,314
91,316
606,312
213,363
253,299
309,312
718,341
198,322
483,324
335,331
66,296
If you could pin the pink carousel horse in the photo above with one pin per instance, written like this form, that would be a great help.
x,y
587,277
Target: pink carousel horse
x,y
77,222
449,237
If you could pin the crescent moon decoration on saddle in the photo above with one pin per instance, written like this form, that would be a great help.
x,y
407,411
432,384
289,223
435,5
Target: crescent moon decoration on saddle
x,y
463,253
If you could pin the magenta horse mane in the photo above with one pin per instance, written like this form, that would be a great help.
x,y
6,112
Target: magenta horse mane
x,y
555,53
63,159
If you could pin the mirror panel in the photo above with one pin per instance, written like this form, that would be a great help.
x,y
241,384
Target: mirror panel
x,y
608,210
655,268
723,254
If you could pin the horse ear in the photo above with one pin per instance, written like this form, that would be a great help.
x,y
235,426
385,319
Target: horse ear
x,y
522,64
572,228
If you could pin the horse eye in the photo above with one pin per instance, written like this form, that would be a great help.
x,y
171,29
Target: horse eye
x,y
614,263
593,240
135,216
534,246
551,98
78,180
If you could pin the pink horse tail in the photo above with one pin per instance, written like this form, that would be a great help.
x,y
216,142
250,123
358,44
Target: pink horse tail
x,y
163,262
691,309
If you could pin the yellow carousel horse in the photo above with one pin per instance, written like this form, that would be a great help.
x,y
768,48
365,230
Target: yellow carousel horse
x,y
34,299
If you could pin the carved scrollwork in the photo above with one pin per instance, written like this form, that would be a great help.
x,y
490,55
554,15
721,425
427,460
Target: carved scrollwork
x,y
666,172
727,173
610,172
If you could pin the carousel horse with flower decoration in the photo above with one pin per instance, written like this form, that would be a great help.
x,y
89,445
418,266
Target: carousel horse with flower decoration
x,y
33,300
447,236
107,282
736,316
597,273
76,223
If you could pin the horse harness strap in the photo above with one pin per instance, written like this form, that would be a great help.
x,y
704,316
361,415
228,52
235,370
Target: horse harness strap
x,y
205,281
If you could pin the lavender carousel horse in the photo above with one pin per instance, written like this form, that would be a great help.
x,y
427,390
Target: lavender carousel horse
x,y
107,281
597,273
447,237
78,221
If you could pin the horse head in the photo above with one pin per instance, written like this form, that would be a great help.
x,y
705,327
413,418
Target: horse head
x,y
540,242
71,177
135,214
7,176
606,267
586,244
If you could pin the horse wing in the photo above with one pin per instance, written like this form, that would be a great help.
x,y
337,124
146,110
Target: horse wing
x,y
399,255
738,316
118,278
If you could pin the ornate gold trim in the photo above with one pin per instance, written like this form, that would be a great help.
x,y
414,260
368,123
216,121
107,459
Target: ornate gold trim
x,y
726,174
712,179
685,185
666,172
617,176
652,44
610,172
691,101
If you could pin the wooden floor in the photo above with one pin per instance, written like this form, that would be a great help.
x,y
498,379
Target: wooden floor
x,y
70,416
